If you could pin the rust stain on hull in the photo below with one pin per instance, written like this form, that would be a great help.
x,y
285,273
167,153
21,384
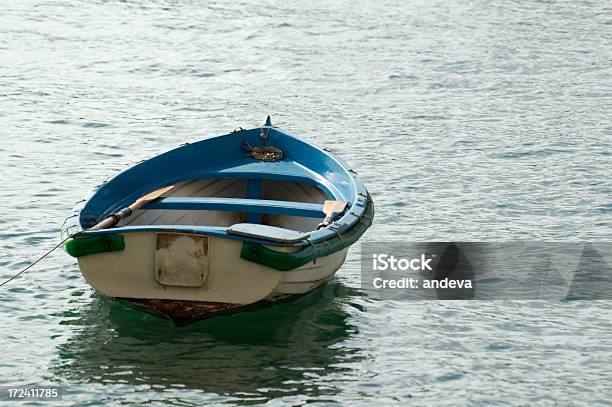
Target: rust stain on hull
x,y
182,312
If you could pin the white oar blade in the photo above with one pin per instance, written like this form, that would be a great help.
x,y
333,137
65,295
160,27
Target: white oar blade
x,y
151,196
332,207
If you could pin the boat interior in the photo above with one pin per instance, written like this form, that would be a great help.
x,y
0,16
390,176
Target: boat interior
x,y
224,202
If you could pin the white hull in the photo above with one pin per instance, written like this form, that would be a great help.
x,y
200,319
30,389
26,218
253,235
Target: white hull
x,y
226,279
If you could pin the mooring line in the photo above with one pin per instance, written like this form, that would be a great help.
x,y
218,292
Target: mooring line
x,y
37,260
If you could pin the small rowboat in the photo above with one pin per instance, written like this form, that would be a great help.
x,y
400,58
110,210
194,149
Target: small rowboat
x,y
250,217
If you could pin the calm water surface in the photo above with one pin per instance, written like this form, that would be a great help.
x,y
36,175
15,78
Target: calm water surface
x,y
467,120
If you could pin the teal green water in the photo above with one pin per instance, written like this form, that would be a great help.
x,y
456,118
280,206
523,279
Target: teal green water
x,y
468,121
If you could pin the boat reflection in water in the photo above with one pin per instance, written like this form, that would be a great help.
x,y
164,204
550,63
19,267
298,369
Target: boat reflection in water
x,y
257,356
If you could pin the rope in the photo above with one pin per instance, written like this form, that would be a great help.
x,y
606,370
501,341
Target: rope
x,y
37,260
262,153
368,218
266,133
339,236
316,252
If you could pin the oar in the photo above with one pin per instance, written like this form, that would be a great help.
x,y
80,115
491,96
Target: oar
x,y
113,219
331,209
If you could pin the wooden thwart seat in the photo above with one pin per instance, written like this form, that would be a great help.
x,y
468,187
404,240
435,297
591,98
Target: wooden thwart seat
x,y
259,206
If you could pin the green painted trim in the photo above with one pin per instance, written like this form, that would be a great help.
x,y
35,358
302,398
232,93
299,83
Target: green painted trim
x,y
284,261
84,246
